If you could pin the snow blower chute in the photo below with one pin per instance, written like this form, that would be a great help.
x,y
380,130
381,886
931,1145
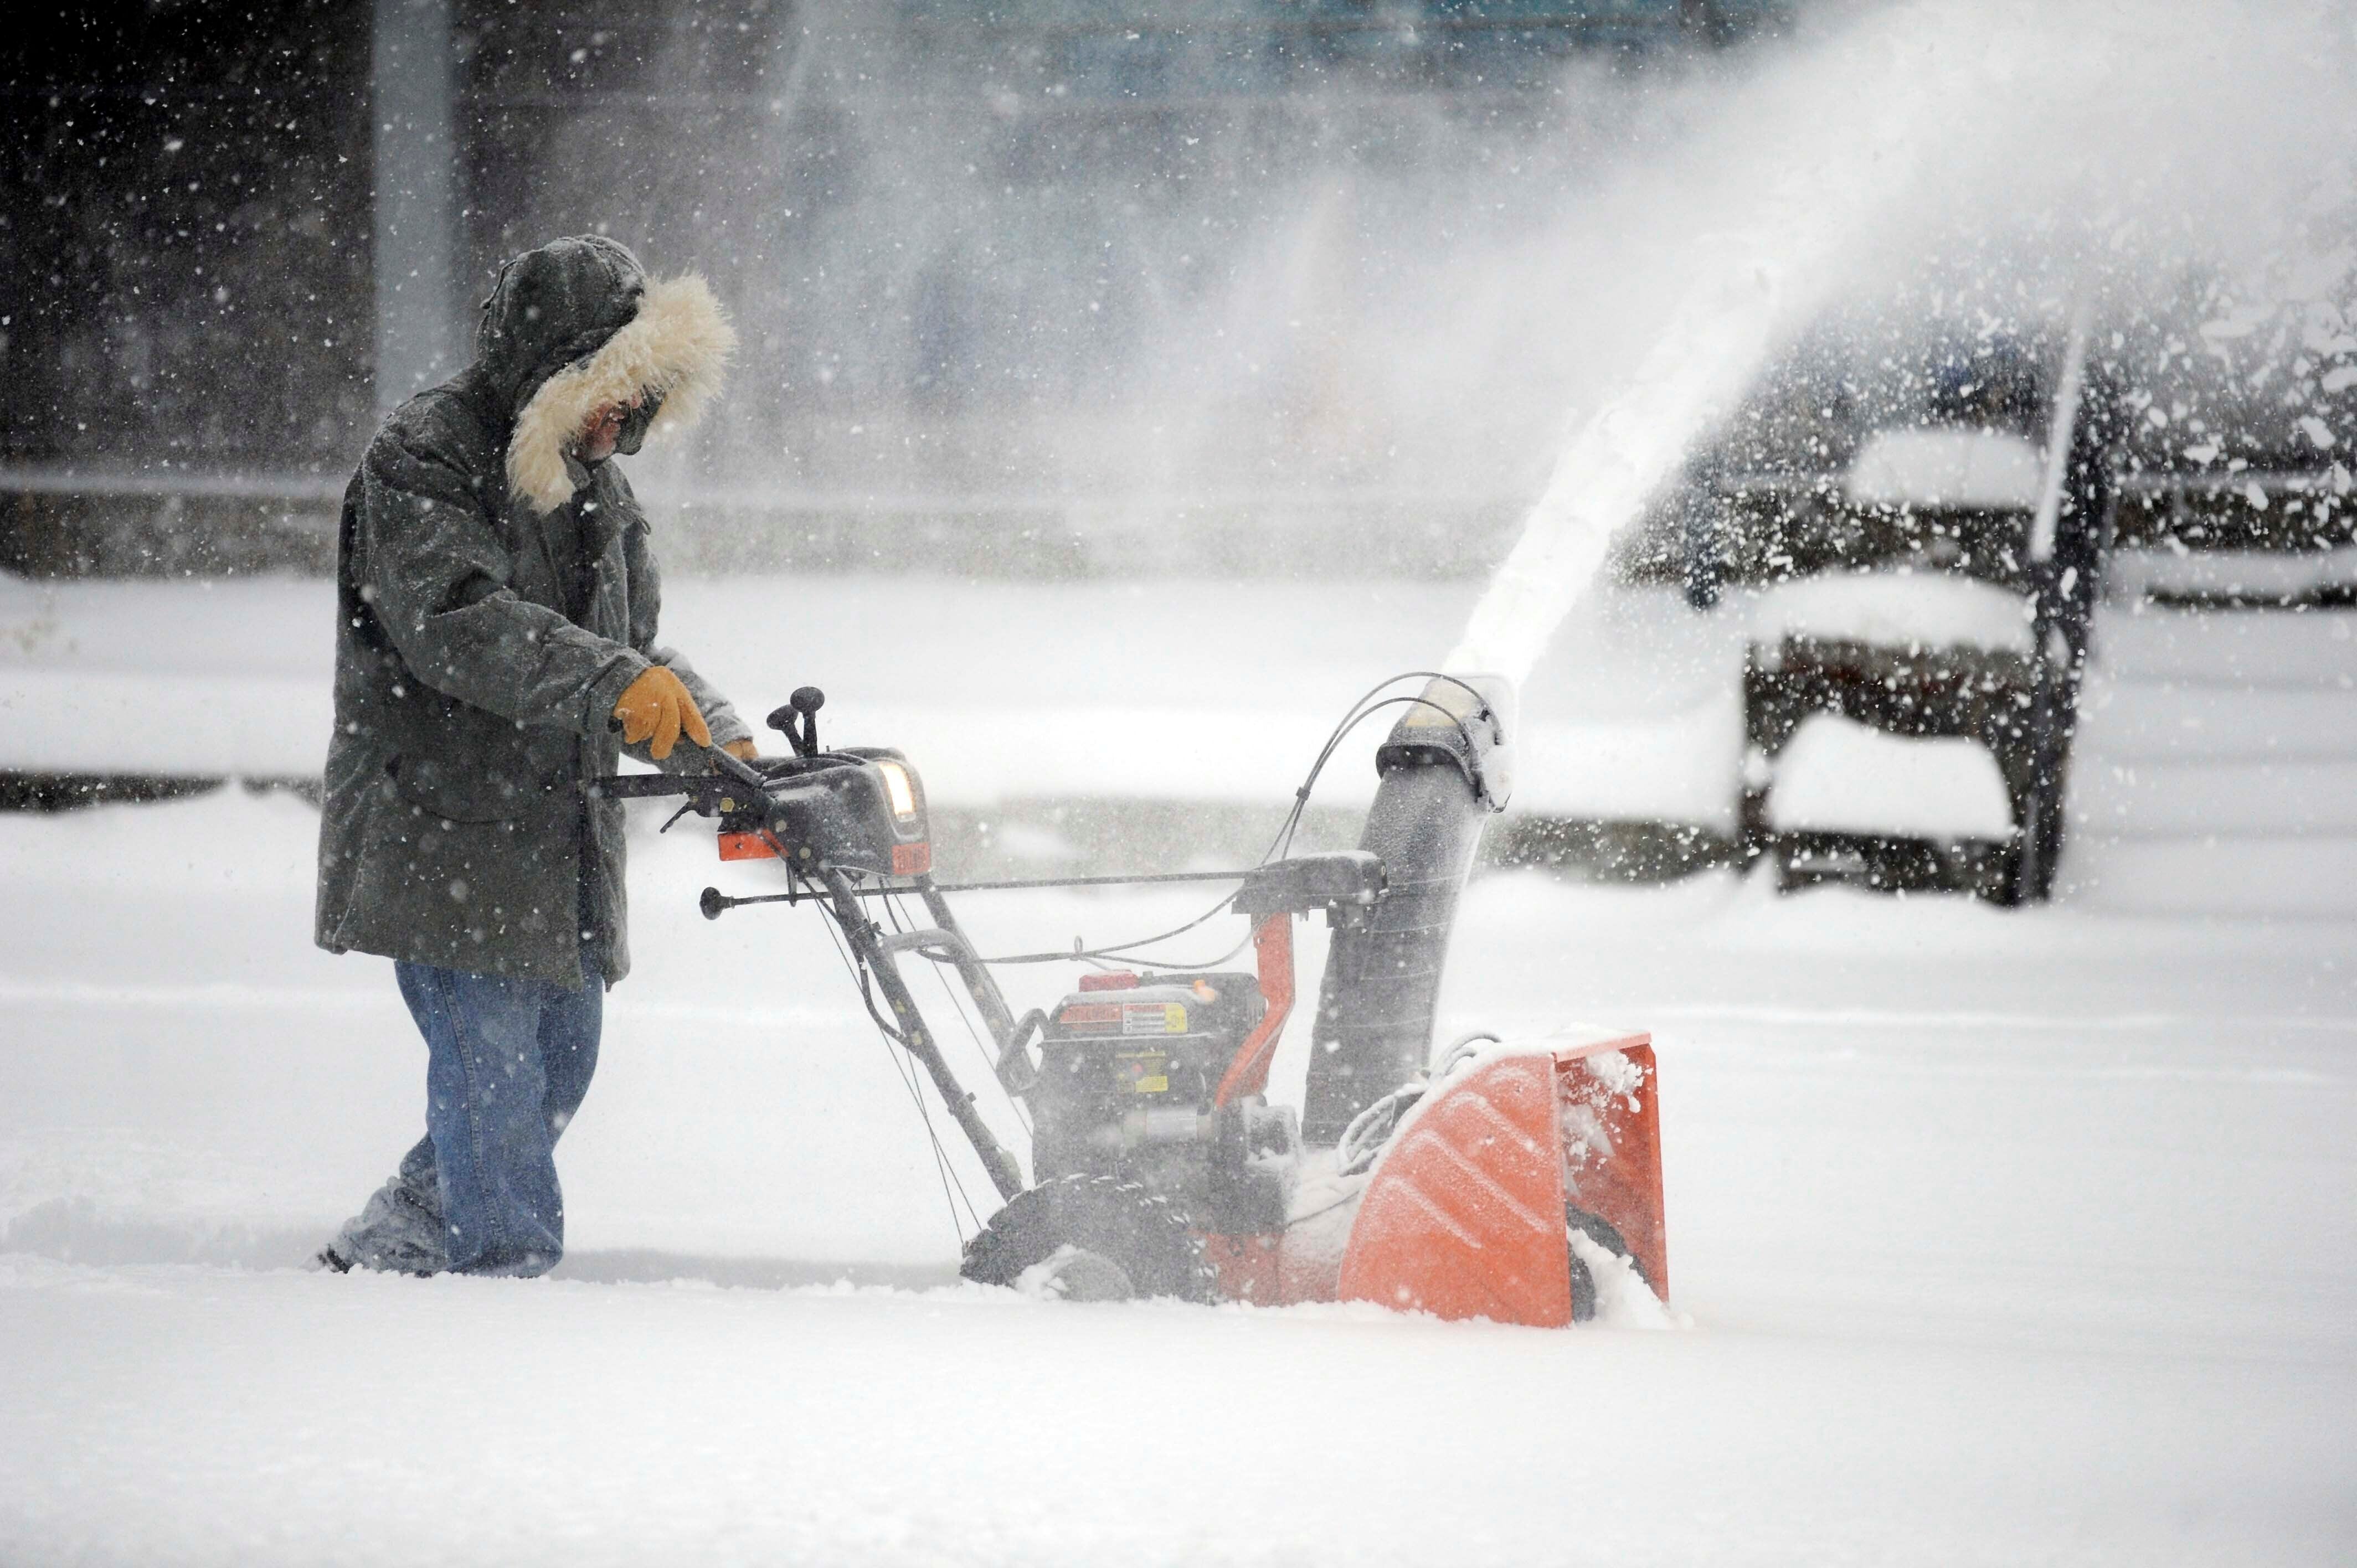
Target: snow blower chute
x,y
1518,1181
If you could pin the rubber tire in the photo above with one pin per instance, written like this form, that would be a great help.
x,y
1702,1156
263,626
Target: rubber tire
x,y
1142,1232
1583,1284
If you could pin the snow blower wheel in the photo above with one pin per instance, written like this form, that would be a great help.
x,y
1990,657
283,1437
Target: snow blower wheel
x,y
1583,1280
1092,1238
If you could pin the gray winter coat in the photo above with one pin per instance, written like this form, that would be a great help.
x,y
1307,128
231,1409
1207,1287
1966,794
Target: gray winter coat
x,y
478,657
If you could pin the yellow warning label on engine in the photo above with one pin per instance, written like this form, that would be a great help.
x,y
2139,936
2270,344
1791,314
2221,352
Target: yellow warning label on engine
x,y
1153,1018
1148,1072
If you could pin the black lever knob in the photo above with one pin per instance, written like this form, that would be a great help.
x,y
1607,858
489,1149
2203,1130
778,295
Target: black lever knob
x,y
807,701
804,706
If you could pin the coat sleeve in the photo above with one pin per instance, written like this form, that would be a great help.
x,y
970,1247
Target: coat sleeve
x,y
438,575
646,611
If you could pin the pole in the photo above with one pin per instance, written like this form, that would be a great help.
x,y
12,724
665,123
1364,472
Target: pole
x,y
413,120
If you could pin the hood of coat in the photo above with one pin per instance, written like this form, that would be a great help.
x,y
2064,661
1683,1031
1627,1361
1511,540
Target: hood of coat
x,y
578,325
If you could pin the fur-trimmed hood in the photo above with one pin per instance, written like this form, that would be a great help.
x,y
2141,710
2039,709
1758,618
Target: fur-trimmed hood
x,y
576,325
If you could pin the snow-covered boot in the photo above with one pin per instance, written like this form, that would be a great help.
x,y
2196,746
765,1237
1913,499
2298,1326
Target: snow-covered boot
x,y
401,1229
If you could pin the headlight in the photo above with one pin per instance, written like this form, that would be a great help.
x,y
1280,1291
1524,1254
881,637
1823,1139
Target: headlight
x,y
897,790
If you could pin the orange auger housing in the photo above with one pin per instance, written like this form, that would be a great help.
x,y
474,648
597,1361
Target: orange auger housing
x,y
1469,1209
1467,1213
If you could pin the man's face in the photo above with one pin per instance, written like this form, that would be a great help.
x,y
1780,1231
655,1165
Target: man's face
x,y
599,433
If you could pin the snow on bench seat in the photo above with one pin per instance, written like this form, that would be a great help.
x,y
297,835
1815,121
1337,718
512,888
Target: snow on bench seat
x,y
1895,609
1836,775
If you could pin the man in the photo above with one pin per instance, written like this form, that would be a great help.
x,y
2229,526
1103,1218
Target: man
x,y
496,606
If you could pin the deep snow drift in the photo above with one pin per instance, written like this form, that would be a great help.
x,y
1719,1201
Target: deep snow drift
x,y
2001,1238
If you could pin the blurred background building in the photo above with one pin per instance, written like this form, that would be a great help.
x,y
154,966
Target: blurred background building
x,y
1018,282
1295,289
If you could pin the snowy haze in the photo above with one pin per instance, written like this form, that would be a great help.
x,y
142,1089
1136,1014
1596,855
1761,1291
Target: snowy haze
x,y
1538,303
2038,156
1996,1236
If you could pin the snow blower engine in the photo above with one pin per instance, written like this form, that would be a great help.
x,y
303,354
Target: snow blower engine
x,y
1514,1180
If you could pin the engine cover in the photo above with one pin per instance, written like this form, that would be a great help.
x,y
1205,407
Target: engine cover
x,y
1128,1074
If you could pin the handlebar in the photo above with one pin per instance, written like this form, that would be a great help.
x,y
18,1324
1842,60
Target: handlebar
x,y
804,706
733,767
727,770
629,787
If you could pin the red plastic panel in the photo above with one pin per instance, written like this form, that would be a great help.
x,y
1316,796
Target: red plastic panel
x,y
1249,1267
746,846
1610,1120
1464,1216
1247,1075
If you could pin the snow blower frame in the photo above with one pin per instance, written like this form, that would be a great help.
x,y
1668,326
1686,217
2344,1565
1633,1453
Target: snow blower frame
x,y
1493,1185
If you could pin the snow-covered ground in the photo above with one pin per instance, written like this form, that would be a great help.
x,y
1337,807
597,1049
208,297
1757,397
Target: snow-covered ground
x,y
2002,1237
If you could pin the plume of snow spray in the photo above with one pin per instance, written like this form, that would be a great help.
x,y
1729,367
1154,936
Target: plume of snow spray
x,y
1921,119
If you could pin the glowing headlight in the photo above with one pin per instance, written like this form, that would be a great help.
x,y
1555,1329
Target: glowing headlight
x,y
898,789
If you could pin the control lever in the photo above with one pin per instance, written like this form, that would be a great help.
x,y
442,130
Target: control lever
x,y
804,705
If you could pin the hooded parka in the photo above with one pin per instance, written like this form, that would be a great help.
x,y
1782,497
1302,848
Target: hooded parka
x,y
494,597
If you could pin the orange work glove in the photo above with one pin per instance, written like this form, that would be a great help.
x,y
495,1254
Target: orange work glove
x,y
656,706
742,750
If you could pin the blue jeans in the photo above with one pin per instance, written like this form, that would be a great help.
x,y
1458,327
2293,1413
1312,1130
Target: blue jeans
x,y
508,1063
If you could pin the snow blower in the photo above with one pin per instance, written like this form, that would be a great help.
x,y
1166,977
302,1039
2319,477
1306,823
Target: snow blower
x,y
1515,1181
